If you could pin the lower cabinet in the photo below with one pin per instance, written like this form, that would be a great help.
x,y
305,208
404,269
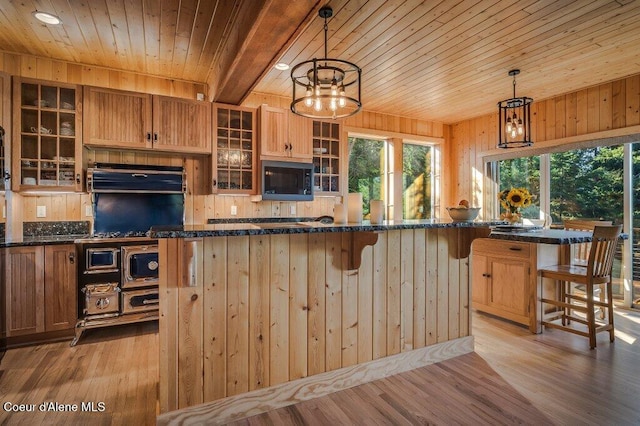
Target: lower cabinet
x,y
503,279
40,288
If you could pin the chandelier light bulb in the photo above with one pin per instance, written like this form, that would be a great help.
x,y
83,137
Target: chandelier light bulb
x,y
318,90
333,104
334,87
513,133
308,101
520,130
318,105
342,101
509,125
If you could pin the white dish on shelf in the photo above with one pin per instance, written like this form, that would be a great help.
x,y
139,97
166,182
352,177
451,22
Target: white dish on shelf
x,y
319,150
67,132
29,181
67,105
42,103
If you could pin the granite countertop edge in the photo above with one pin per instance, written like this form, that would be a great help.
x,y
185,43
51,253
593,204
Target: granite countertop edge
x,y
246,228
47,240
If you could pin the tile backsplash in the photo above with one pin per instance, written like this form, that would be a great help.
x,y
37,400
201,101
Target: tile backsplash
x,y
39,229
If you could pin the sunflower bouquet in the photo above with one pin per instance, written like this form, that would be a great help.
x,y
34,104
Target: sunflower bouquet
x,y
512,200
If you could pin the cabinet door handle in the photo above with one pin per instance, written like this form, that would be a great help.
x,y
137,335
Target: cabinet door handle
x,y
290,147
214,183
149,136
486,275
515,248
7,175
155,137
72,258
78,178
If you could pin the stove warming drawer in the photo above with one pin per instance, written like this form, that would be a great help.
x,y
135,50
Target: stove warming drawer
x,y
139,300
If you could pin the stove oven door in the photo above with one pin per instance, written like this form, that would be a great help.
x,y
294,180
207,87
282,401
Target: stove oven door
x,y
140,266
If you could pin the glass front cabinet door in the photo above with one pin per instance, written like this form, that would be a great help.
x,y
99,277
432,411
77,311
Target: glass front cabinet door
x,y
47,136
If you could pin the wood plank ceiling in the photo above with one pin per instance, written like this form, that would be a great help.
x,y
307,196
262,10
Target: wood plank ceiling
x,y
441,60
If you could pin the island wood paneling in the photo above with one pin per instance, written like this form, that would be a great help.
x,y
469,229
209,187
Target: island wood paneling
x,y
590,111
247,312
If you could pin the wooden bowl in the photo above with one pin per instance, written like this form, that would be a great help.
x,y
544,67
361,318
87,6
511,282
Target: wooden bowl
x,y
463,214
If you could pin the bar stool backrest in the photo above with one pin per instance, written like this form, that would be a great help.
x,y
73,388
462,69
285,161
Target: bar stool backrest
x,y
603,249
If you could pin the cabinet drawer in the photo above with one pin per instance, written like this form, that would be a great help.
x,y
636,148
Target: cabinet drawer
x,y
501,248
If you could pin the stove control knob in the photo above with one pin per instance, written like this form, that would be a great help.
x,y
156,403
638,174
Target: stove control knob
x,y
153,265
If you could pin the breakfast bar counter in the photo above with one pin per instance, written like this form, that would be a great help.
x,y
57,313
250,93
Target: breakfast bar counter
x,y
274,314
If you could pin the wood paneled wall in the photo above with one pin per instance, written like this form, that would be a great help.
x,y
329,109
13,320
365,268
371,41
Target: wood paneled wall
x,y
609,106
364,119
245,312
67,72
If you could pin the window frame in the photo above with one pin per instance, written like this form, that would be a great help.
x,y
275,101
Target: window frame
x,y
394,177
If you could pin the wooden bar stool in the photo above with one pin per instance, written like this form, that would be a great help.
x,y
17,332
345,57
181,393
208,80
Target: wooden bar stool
x,y
596,272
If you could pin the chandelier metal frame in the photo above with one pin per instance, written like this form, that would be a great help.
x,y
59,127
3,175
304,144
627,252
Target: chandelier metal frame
x,y
326,88
514,128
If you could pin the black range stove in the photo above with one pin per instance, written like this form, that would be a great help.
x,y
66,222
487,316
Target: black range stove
x,y
118,267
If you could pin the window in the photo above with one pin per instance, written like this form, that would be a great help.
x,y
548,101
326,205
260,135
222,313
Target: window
x,y
587,184
522,173
367,170
372,170
417,181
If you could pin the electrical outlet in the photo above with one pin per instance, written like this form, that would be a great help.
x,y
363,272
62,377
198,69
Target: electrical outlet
x,y
87,211
292,209
234,210
41,211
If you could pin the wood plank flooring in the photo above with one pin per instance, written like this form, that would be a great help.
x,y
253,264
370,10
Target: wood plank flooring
x,y
514,377
117,366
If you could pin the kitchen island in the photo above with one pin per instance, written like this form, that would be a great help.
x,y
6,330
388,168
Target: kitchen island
x,y
504,277
265,315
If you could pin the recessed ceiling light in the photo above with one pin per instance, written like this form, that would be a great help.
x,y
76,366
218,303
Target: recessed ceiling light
x,y
47,18
281,66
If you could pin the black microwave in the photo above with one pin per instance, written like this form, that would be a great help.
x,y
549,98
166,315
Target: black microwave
x,y
287,181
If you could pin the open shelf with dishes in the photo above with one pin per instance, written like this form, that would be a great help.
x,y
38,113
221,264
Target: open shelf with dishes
x,y
48,128
326,157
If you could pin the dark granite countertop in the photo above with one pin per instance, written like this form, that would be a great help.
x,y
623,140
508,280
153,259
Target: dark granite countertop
x,y
546,236
42,240
259,228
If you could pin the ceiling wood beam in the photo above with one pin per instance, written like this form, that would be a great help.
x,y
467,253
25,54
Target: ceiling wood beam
x,y
261,33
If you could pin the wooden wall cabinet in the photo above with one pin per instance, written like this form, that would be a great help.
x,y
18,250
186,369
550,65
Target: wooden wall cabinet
x,y
284,136
234,164
5,131
46,134
326,157
130,120
40,288
503,277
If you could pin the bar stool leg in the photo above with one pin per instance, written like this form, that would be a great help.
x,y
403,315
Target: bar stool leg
x,y
610,309
591,316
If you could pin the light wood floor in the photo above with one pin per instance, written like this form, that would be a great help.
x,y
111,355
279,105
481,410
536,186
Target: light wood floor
x,y
514,377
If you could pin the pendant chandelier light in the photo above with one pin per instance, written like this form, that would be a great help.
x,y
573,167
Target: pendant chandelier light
x,y
514,130
326,88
